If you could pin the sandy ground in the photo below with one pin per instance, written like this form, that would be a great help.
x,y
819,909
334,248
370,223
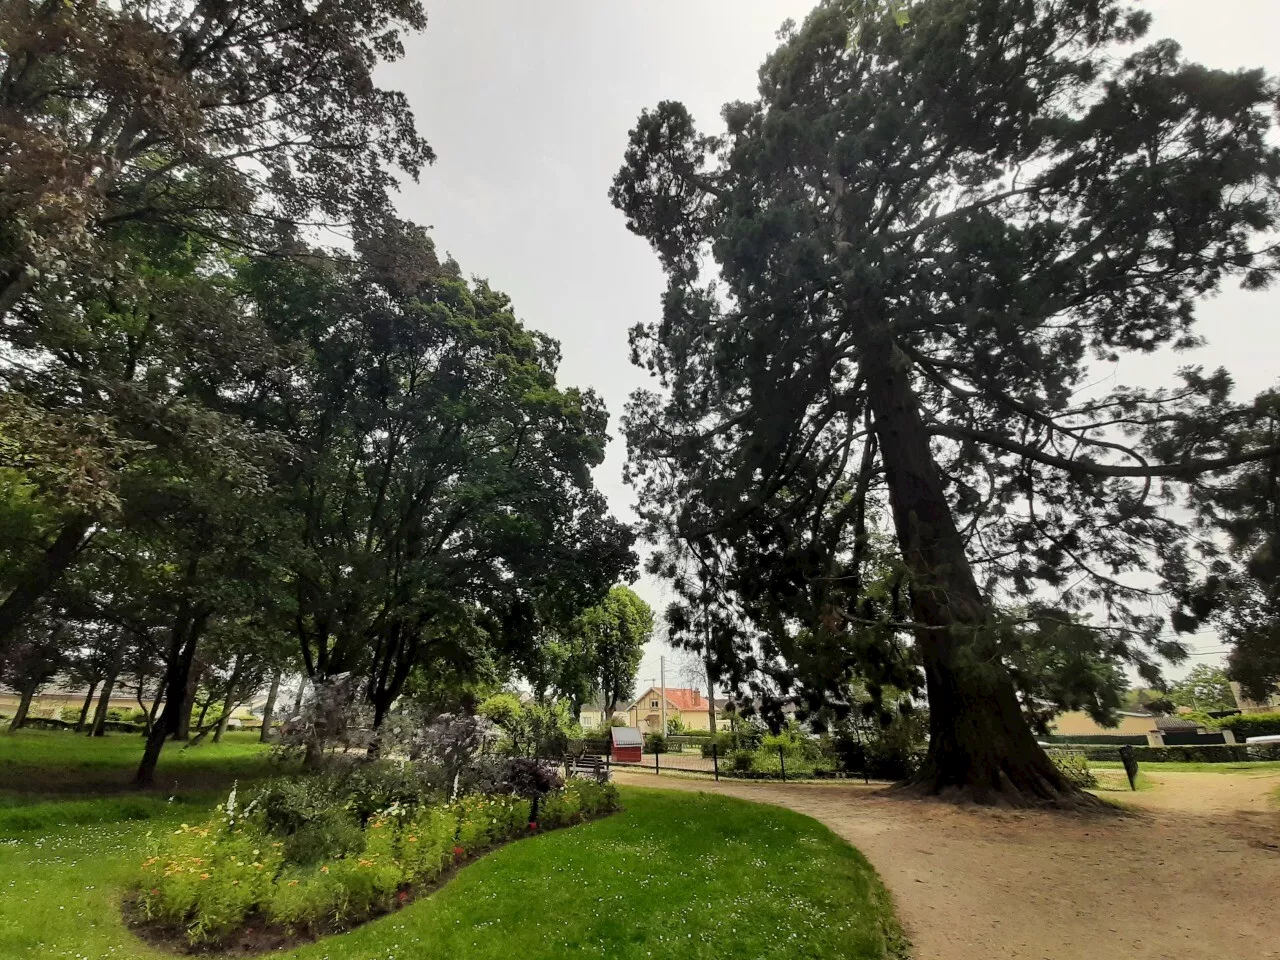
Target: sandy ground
x,y
1191,873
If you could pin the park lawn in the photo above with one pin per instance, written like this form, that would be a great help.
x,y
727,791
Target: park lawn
x,y
57,761
697,875
1261,767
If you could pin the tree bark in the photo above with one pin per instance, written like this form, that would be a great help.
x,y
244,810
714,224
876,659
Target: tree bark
x,y
230,702
297,700
84,708
269,709
980,746
55,560
24,707
104,700
182,648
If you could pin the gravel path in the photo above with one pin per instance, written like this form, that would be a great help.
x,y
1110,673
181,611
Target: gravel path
x,y
1193,873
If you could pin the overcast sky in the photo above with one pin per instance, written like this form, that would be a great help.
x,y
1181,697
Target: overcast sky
x,y
527,106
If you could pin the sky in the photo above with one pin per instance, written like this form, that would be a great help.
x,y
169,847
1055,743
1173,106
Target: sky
x,y
528,105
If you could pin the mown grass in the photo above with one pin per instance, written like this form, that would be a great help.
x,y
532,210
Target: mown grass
x,y
1258,767
45,762
675,874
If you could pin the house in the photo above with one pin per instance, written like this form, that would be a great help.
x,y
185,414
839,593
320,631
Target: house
x,y
1270,705
685,703
593,715
1077,723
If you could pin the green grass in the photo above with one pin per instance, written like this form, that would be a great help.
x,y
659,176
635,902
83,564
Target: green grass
x,y
59,762
1259,767
674,874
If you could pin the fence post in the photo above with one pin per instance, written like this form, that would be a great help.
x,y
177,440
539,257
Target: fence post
x,y
782,762
656,771
715,760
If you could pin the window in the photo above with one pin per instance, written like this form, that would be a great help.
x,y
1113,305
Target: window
x,y
653,704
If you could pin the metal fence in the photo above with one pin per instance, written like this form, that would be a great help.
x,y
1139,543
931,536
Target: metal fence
x,y
762,764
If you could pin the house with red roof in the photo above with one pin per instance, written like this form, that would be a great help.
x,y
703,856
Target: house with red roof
x,y
686,703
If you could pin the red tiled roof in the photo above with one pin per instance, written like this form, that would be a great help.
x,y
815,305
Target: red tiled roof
x,y
682,698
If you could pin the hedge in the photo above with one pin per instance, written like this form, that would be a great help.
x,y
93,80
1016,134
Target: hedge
x,y
1213,753
1245,725
1106,739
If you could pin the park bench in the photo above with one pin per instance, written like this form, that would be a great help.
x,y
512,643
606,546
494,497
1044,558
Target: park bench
x,y
592,765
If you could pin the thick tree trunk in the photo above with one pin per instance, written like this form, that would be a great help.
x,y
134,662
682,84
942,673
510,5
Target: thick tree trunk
x,y
47,570
84,708
269,708
24,707
980,746
186,636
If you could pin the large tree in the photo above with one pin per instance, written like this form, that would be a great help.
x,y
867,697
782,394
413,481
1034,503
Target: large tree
x,y
133,135
442,484
611,636
930,220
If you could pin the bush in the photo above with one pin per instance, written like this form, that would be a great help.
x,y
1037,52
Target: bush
x,y
742,761
655,743
1245,725
1103,739
300,856
1074,765
70,715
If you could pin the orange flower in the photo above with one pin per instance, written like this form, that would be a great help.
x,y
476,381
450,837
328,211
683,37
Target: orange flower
x,y
204,876
293,883
325,868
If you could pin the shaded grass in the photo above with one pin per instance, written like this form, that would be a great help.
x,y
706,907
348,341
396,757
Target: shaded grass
x,y
60,762
675,874
1110,780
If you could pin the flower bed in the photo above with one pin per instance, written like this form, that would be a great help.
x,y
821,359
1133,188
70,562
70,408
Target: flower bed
x,y
287,868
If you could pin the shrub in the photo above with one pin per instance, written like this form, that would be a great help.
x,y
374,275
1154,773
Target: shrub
x,y
1074,765
1209,753
742,761
655,743
1245,725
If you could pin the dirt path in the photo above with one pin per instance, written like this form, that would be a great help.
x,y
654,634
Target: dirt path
x,y
1192,874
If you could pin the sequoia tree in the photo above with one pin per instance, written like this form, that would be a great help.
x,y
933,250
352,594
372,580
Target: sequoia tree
x,y
918,236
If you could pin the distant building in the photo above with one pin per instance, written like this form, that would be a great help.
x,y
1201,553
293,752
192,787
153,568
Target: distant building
x,y
1077,723
688,704
1270,705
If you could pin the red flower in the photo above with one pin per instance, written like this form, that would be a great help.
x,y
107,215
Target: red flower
x,y
459,853
404,895
533,826
155,891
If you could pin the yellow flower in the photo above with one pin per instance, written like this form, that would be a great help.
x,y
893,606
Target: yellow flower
x,y
413,839
293,883
204,876
325,868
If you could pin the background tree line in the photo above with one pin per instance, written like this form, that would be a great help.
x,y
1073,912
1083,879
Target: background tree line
x,y
228,453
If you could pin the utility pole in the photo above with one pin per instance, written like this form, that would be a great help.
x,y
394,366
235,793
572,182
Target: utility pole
x,y
662,674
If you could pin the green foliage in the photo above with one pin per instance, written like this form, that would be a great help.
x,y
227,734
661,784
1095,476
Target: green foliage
x,y
305,861
1204,688
1074,765
676,727
531,729
655,743
1208,753
1245,725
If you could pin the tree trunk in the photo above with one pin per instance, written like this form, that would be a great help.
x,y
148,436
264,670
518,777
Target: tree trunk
x,y
269,708
980,746
297,700
48,569
182,648
24,707
84,708
183,730
104,702
230,703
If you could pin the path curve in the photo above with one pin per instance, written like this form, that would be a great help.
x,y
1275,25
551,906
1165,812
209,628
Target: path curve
x,y
1192,874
